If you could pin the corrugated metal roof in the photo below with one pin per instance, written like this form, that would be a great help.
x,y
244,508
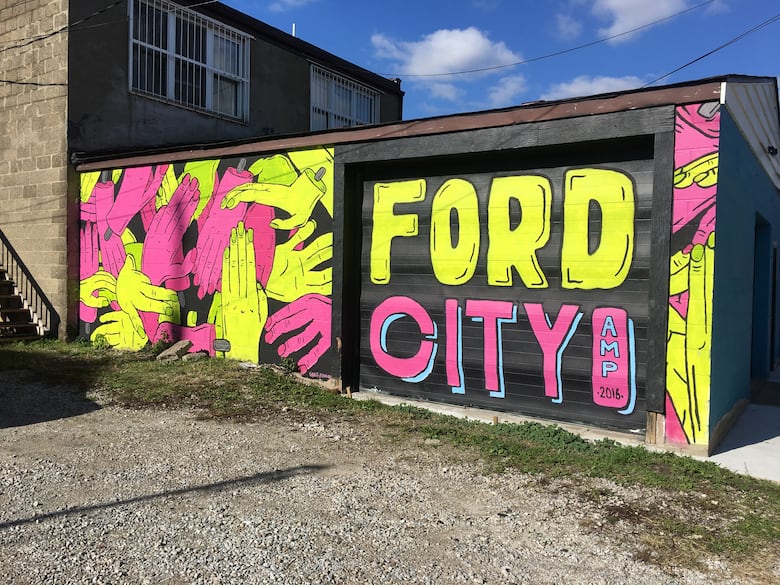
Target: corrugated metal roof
x,y
681,93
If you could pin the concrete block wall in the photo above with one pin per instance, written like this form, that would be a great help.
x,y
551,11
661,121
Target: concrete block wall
x,y
33,139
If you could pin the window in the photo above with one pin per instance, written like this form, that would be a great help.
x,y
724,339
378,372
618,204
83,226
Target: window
x,y
187,59
337,102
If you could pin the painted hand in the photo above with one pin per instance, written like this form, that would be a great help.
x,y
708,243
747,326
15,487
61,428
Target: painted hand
x,y
202,336
205,173
214,226
690,336
163,259
138,188
112,249
298,200
293,273
244,306
305,320
95,292
89,263
135,292
119,331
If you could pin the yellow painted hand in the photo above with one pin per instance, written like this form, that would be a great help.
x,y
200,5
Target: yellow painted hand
x,y
689,341
135,292
87,184
101,282
119,331
244,305
293,273
297,199
702,171
314,158
276,169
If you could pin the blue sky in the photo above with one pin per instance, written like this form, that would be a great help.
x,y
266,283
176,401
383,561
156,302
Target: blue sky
x,y
428,42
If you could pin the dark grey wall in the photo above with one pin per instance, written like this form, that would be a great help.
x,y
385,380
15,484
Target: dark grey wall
x,y
103,116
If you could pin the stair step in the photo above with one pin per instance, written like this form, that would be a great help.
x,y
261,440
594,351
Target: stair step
x,y
13,309
15,338
10,324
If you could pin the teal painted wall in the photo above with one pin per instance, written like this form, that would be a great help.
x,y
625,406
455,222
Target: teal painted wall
x,y
744,192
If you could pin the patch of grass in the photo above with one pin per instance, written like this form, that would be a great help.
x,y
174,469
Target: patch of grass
x,y
705,509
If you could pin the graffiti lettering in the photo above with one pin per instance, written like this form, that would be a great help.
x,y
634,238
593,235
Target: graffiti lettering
x,y
613,375
584,265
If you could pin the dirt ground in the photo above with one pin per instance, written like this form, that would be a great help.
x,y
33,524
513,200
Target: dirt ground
x,y
94,494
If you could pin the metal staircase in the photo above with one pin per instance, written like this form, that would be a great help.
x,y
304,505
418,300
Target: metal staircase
x,y
25,311
16,321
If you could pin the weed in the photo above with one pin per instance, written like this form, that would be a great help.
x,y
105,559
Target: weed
x,y
704,509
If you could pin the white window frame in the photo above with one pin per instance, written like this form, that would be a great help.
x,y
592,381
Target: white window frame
x,y
330,110
161,82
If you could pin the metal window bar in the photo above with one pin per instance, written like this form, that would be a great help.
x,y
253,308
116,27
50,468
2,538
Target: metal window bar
x,y
337,101
186,58
45,318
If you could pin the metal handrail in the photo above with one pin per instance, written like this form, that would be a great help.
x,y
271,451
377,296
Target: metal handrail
x,y
43,313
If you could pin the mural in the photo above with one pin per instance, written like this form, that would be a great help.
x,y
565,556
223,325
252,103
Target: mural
x,y
519,291
233,255
697,134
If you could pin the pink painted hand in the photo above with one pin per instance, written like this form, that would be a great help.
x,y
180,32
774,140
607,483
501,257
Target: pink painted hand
x,y
89,263
87,211
305,320
138,188
214,226
202,336
112,250
258,219
163,259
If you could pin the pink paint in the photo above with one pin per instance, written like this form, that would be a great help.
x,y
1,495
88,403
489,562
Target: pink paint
x,y
674,430
214,225
492,314
454,359
138,189
388,311
612,374
304,321
553,339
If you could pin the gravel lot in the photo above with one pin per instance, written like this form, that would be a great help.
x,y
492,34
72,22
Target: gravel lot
x,y
108,495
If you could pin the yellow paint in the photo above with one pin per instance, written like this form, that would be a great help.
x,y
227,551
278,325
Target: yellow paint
x,y
388,225
454,265
516,248
608,265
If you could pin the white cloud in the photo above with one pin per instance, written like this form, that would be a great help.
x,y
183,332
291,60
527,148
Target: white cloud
x,y
486,5
445,91
567,27
626,15
506,91
444,51
285,5
585,85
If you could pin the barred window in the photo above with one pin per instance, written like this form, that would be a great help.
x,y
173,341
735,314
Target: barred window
x,y
337,101
188,59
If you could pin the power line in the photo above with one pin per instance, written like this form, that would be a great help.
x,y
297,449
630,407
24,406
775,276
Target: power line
x,y
739,37
70,28
61,30
557,53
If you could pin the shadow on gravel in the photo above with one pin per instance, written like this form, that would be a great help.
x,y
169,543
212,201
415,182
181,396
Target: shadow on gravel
x,y
258,478
26,400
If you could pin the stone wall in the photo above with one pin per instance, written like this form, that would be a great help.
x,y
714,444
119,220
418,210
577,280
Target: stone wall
x,y
33,147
